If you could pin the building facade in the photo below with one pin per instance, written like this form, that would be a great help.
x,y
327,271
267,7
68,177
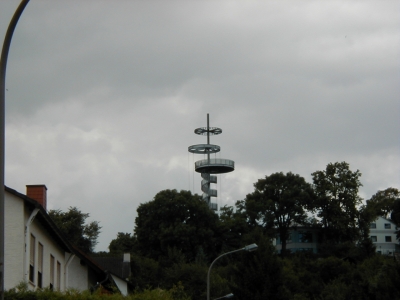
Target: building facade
x,y
383,234
36,252
301,239
306,239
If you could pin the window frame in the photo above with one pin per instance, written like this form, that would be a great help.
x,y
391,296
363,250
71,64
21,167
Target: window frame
x,y
58,275
52,265
40,265
32,254
305,237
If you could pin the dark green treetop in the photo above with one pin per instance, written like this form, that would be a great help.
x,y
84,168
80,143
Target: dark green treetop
x,y
124,243
177,220
336,189
278,202
72,224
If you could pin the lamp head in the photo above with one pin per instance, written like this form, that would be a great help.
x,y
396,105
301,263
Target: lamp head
x,y
250,248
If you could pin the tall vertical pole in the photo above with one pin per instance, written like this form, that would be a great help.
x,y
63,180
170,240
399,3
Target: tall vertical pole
x,y
208,161
3,66
208,136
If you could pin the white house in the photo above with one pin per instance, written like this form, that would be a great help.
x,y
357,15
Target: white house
x,y
36,252
382,234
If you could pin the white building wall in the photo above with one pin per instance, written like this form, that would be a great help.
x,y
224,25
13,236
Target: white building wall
x,y
14,242
50,247
380,232
77,275
17,254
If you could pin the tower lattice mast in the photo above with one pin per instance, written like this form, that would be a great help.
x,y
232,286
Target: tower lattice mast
x,y
210,165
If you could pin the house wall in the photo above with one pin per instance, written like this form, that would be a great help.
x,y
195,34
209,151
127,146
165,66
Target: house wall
x,y
72,272
13,241
380,233
50,248
17,253
297,241
77,275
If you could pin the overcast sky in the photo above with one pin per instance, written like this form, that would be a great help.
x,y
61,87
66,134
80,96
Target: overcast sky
x,y
103,97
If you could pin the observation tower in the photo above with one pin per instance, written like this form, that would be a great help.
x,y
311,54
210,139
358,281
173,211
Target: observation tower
x,y
210,165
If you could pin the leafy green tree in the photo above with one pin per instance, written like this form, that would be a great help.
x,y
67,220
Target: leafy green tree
x,y
279,201
382,202
336,189
193,278
232,227
395,216
146,273
124,243
177,220
258,275
72,224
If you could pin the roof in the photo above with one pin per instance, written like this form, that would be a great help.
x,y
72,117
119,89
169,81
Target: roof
x,y
114,265
388,220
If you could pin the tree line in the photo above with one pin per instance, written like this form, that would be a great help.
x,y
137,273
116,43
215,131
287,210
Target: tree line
x,y
176,236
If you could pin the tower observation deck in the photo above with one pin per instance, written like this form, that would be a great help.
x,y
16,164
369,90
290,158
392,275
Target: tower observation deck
x,y
210,165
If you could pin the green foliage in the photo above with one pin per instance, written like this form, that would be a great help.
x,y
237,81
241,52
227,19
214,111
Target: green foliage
x,y
396,216
336,188
193,277
175,293
382,202
375,277
146,273
176,220
124,243
233,226
258,275
177,236
72,224
278,201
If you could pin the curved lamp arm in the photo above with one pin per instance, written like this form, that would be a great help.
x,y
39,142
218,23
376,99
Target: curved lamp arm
x,y
249,248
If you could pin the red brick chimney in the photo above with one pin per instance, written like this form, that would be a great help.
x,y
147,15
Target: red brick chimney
x,y
38,192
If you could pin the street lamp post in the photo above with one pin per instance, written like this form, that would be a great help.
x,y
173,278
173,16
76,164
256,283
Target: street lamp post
x,y
3,66
248,248
229,296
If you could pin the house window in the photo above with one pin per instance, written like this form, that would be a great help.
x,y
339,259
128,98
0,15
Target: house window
x,y
388,226
58,275
388,239
51,272
373,238
32,259
40,265
372,225
305,237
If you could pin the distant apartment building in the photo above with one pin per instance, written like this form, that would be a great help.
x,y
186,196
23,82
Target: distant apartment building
x,y
305,239
382,233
